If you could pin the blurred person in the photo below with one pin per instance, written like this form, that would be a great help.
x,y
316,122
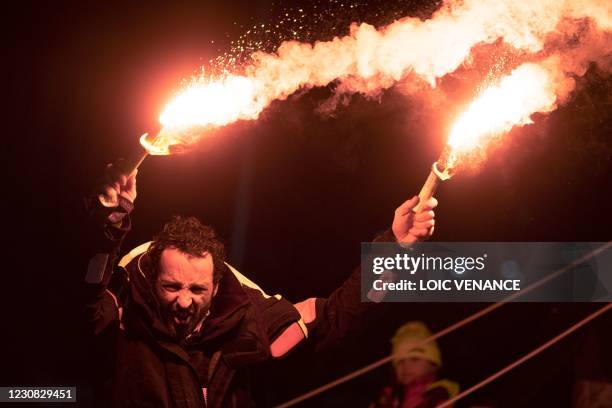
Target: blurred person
x,y
415,372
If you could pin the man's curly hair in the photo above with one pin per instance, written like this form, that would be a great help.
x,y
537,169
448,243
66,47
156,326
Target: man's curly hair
x,y
190,236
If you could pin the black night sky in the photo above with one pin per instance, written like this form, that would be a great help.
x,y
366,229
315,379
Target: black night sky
x,y
292,194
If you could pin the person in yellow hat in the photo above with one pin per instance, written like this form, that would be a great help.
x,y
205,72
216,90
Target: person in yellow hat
x,y
415,368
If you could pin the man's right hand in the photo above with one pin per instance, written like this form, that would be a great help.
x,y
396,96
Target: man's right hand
x,y
117,183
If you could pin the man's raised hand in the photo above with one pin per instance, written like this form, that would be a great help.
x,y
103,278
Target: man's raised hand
x,y
408,226
117,183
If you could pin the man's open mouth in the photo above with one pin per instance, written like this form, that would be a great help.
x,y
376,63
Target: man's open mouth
x,y
181,318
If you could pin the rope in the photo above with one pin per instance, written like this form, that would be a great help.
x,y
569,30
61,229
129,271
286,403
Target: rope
x,y
455,326
527,356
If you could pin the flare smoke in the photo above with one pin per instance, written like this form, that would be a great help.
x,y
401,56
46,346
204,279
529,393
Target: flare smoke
x,y
562,37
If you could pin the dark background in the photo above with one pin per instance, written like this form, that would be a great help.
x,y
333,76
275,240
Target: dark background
x,y
293,193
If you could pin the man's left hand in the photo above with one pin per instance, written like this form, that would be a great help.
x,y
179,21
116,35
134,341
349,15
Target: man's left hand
x,y
408,226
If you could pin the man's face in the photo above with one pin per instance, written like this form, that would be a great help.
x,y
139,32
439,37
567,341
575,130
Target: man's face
x,y
185,289
410,369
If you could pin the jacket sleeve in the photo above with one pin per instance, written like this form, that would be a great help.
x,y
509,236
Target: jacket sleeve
x,y
326,321
104,231
343,313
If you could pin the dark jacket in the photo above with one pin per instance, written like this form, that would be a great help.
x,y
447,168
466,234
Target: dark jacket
x,y
140,364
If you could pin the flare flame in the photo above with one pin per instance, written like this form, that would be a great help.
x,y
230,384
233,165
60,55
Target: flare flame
x,y
528,89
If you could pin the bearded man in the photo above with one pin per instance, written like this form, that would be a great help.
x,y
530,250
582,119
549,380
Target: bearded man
x,y
174,325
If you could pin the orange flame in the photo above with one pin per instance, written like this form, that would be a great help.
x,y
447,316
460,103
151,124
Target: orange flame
x,y
528,89
204,104
212,103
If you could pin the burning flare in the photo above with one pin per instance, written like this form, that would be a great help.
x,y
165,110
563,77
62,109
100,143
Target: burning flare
x,y
203,105
371,59
212,103
528,89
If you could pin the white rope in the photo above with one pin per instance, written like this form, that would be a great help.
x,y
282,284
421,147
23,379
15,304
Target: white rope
x,y
475,316
526,357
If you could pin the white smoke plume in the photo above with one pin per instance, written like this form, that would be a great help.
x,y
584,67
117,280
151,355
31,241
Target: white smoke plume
x,y
369,60
564,36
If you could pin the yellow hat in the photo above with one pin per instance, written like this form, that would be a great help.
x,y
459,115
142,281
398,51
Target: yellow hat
x,y
410,335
